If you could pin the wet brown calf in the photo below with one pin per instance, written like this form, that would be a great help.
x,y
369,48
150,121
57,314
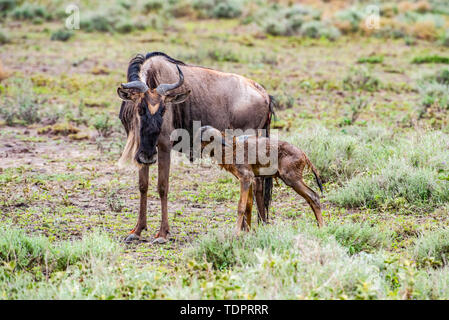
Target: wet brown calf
x,y
291,162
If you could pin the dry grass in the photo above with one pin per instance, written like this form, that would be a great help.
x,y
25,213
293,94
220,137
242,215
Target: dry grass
x,y
425,30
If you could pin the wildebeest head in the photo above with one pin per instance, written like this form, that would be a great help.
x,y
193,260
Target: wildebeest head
x,y
149,106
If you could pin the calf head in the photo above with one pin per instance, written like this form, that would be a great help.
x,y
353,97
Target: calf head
x,y
149,108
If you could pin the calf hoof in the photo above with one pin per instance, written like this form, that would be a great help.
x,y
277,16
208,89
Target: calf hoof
x,y
132,237
160,240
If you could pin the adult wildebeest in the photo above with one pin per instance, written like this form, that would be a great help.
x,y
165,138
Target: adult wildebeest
x,y
164,94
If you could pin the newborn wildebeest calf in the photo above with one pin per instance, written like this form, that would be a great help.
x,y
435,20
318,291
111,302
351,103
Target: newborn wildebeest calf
x,y
290,162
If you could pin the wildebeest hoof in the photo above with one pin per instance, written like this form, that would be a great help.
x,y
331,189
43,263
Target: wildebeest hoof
x,y
160,240
132,237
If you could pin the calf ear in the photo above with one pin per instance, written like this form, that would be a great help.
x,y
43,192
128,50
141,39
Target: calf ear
x,y
178,98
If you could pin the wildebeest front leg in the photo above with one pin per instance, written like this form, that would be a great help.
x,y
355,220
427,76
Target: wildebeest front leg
x,y
162,186
142,218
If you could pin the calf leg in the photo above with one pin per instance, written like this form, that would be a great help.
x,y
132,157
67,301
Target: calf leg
x,y
312,199
142,218
249,208
245,185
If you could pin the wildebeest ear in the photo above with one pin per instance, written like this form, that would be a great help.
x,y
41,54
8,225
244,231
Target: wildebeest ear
x,y
177,98
128,94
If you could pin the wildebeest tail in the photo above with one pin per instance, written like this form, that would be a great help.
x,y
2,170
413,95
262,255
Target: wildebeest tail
x,y
315,173
268,182
273,105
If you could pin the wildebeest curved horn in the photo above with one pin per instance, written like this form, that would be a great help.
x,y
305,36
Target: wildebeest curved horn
x,y
139,85
164,88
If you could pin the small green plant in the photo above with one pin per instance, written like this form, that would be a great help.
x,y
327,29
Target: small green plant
x,y
431,59
62,35
361,79
103,125
223,55
356,106
371,59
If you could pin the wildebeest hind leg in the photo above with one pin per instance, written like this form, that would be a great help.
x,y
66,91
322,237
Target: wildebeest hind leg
x,y
258,190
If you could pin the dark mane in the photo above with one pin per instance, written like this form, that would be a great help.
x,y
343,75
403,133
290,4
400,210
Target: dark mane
x,y
138,60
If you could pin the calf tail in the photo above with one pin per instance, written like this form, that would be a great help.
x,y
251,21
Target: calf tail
x,y
315,173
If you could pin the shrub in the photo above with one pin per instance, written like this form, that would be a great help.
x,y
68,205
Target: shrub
x,y
444,39
62,35
153,5
431,59
103,125
359,237
393,185
352,17
28,252
434,94
361,79
227,9
218,9
223,250
424,30
442,76
6,6
317,29
112,19
432,249
223,55
285,21
341,155
124,25
3,38
20,103
30,11
284,262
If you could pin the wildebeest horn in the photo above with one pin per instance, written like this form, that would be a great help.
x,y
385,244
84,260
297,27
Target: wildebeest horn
x,y
164,88
139,85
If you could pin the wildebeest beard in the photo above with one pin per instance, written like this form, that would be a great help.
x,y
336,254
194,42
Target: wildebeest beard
x,y
150,128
